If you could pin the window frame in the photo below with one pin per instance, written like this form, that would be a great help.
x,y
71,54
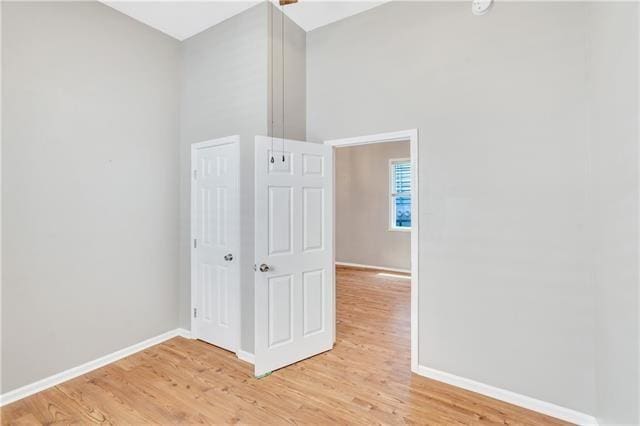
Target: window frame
x,y
393,195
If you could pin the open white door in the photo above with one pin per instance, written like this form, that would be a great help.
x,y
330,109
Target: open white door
x,y
294,281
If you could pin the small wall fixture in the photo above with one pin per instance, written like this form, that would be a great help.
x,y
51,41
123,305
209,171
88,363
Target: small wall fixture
x,y
481,7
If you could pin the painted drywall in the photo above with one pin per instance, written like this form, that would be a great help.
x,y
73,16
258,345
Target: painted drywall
x,y
362,207
226,90
613,124
89,185
292,119
505,293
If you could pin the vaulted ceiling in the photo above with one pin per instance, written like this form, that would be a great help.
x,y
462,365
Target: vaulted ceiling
x,y
182,19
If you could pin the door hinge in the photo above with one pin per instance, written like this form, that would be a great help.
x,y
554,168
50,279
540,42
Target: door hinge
x,y
195,243
195,312
195,174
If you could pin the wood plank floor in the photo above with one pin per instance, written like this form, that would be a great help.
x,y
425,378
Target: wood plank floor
x,y
365,379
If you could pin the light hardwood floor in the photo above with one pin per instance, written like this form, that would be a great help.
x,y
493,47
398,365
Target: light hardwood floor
x,y
365,379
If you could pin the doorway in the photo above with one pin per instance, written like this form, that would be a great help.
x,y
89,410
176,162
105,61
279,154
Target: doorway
x,y
399,210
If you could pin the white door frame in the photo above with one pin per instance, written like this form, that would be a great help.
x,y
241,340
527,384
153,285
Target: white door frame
x,y
235,234
400,136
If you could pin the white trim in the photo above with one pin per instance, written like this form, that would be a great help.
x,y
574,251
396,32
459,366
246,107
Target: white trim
x,y
380,268
399,136
215,142
543,407
182,332
235,140
412,136
398,229
246,356
74,372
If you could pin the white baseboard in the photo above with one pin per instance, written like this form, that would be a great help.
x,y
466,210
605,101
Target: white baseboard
x,y
74,372
381,268
246,356
182,332
543,407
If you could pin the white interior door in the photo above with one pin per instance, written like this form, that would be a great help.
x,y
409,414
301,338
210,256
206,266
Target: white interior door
x,y
294,285
215,266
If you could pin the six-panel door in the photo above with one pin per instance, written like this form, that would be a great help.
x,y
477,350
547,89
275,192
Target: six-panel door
x,y
216,245
294,240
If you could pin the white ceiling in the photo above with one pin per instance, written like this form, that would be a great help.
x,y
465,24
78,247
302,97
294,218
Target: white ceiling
x,y
182,19
310,14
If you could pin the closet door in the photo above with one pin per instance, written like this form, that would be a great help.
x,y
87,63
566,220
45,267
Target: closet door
x,y
216,240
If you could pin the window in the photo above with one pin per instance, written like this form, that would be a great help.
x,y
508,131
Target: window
x,y
400,195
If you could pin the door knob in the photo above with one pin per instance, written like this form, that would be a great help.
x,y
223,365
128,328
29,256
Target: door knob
x,y
264,268
228,257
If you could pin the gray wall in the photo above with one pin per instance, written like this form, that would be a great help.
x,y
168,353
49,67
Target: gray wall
x,y
226,90
362,207
613,120
506,297
89,185
295,77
